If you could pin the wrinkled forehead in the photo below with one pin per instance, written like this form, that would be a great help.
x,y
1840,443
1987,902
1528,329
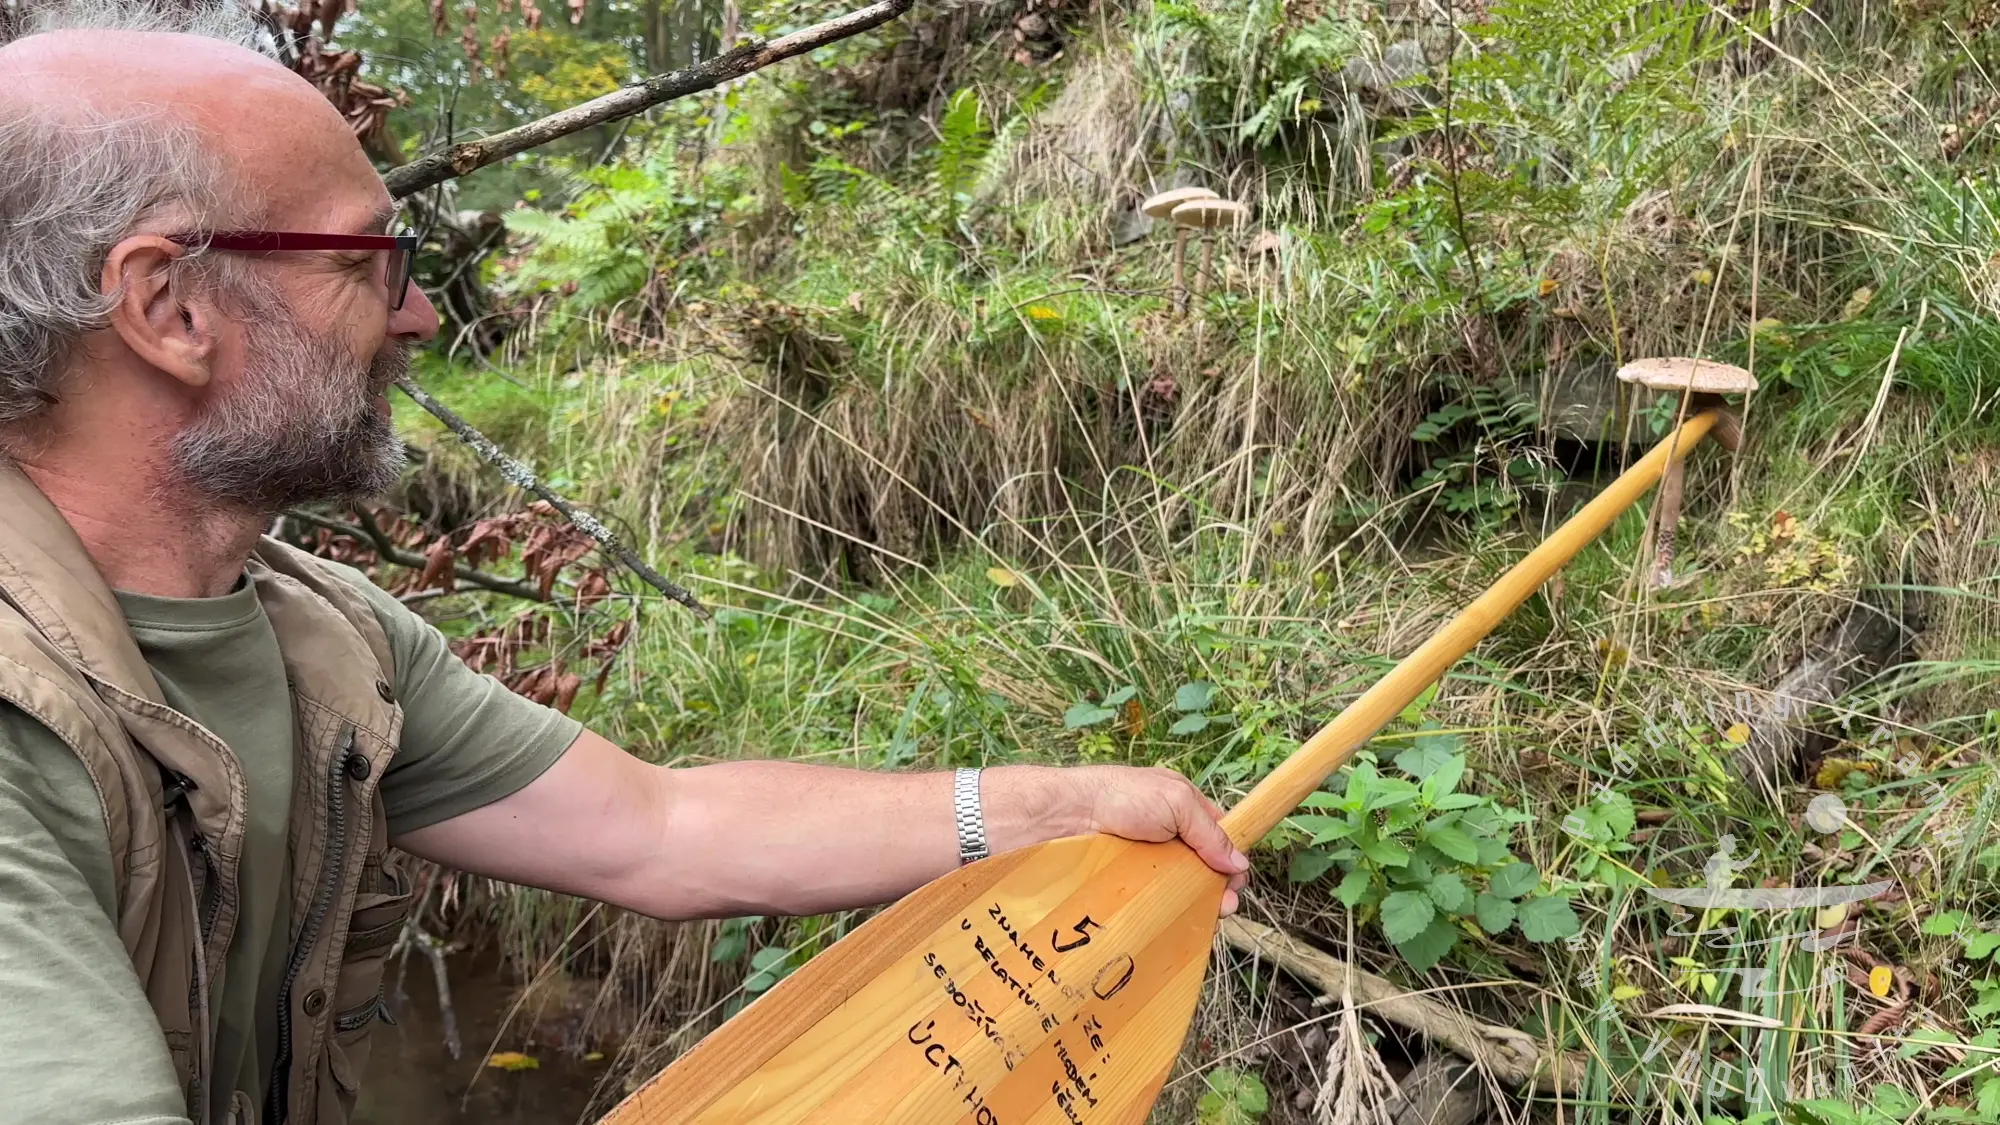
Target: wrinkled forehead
x,y
292,161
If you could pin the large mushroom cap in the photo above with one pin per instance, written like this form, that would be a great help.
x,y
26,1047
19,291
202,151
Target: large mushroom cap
x,y
1208,214
1163,204
1679,373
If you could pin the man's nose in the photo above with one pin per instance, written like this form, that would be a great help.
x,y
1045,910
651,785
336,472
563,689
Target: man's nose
x,y
417,319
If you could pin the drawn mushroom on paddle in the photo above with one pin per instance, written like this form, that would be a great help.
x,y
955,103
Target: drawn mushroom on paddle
x,y
1704,381
1161,206
1207,215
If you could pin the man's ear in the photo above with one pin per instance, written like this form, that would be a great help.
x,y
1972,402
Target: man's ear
x,y
158,319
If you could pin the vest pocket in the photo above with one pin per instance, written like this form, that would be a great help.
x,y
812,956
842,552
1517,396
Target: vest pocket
x,y
347,1053
381,908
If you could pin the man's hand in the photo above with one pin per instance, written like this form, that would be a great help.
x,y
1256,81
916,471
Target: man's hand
x,y
777,837
1028,804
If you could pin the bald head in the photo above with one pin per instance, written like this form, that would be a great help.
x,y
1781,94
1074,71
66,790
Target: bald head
x,y
274,141
120,119
238,379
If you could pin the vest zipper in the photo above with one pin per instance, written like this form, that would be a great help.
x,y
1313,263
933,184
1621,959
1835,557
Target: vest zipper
x,y
279,1094
210,903
204,918
198,993
211,891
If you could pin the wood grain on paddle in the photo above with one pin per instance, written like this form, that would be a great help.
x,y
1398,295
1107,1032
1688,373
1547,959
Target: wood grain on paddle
x,y
1051,985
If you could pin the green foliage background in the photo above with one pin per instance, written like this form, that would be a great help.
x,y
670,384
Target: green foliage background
x,y
873,349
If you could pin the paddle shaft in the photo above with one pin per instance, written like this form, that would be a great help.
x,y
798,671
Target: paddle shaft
x,y
1277,795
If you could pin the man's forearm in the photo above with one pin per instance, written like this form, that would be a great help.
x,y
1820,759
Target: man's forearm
x,y
785,837
790,838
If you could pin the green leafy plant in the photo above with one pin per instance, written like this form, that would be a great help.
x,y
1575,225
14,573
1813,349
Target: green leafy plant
x,y
1976,943
1482,462
768,965
1600,830
1234,1097
733,938
963,140
1427,860
628,226
1088,714
1193,700
1288,71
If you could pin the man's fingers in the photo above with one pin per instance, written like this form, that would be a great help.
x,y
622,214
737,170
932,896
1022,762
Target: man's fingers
x,y
1196,824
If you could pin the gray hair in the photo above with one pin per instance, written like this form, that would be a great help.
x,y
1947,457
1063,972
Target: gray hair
x,y
74,181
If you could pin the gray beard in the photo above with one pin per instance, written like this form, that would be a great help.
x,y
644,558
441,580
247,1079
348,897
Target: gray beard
x,y
302,426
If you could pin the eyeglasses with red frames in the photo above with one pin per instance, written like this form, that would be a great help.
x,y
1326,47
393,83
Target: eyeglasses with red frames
x,y
402,249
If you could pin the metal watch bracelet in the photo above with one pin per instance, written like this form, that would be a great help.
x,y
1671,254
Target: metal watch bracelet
x,y
971,820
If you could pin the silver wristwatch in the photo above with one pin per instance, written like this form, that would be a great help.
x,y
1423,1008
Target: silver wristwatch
x,y
971,821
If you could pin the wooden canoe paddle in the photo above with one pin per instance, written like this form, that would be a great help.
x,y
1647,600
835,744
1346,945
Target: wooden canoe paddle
x,y
1053,984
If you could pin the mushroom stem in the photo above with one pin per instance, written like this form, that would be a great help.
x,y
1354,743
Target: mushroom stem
x,y
1728,431
1670,515
1180,268
1207,262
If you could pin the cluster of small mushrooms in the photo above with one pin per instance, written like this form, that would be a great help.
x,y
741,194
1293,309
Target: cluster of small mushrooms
x,y
1193,209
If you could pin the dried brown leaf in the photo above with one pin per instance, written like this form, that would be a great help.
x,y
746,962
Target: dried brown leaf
x,y
566,686
438,567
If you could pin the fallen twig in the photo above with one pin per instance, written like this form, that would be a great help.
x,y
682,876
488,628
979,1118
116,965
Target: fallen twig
x,y
1512,1056
434,949
522,477
457,160
370,531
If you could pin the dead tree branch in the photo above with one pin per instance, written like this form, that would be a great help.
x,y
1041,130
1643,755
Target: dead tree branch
x,y
524,478
1512,1056
457,160
371,532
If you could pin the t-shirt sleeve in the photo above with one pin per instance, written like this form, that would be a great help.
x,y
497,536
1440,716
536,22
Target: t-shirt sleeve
x,y
79,1044
467,740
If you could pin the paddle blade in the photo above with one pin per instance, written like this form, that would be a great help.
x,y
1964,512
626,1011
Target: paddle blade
x,y
1053,984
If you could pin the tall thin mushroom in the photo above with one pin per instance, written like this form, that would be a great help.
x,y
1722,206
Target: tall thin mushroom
x,y
1207,215
1703,382
1159,207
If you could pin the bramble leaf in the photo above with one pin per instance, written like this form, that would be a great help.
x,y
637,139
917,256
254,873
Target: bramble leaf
x,y
1514,880
1453,842
1309,864
1353,888
1086,714
1548,919
1388,853
1495,914
1448,891
1405,914
1430,945
1194,696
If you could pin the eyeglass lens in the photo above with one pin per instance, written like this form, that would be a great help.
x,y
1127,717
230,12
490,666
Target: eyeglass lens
x,y
399,277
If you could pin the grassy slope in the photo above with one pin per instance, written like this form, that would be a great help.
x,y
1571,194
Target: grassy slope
x,y
927,365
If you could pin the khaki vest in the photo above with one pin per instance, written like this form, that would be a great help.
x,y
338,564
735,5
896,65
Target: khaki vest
x,y
173,799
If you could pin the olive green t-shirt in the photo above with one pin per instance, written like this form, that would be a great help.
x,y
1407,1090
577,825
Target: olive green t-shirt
x,y
78,1042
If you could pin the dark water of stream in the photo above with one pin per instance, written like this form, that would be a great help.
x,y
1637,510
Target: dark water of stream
x,y
413,1080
